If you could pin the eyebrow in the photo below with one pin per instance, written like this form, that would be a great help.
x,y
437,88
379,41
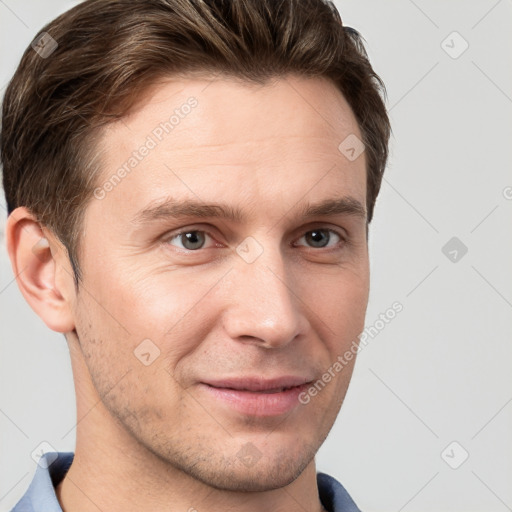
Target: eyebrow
x,y
172,208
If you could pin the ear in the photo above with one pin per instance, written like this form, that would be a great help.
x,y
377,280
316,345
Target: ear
x,y
42,269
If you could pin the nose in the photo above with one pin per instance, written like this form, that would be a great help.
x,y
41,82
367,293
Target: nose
x,y
265,307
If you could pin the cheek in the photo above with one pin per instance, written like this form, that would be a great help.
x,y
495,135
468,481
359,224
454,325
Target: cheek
x,y
344,306
342,301
130,374
146,304
143,324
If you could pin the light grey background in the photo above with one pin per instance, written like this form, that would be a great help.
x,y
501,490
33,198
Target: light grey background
x,y
437,373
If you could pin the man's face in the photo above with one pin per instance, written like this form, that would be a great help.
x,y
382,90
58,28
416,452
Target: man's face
x,y
192,317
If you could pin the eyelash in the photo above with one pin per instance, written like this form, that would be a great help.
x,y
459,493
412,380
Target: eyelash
x,y
343,239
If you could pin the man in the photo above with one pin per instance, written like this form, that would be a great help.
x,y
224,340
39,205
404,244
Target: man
x,y
190,186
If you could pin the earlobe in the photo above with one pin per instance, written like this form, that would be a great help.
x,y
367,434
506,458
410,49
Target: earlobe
x,y
35,256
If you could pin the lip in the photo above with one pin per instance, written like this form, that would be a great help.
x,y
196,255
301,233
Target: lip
x,y
256,396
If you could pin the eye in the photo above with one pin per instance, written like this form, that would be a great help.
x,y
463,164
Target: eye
x,y
321,238
189,240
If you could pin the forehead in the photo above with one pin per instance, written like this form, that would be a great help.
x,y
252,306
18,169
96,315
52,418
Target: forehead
x,y
198,136
225,100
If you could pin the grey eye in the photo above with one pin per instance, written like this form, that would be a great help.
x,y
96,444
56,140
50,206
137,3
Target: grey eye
x,y
190,240
320,238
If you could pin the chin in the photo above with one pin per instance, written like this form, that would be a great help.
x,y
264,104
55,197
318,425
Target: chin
x,y
273,469
261,477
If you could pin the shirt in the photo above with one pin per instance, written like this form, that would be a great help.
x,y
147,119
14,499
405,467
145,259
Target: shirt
x,y
53,466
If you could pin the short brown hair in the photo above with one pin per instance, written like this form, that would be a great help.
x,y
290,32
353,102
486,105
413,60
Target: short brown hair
x,y
110,51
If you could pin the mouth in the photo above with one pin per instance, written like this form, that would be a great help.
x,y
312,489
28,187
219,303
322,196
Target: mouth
x,y
255,396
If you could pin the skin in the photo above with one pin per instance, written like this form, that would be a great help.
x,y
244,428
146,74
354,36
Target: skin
x,y
150,437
